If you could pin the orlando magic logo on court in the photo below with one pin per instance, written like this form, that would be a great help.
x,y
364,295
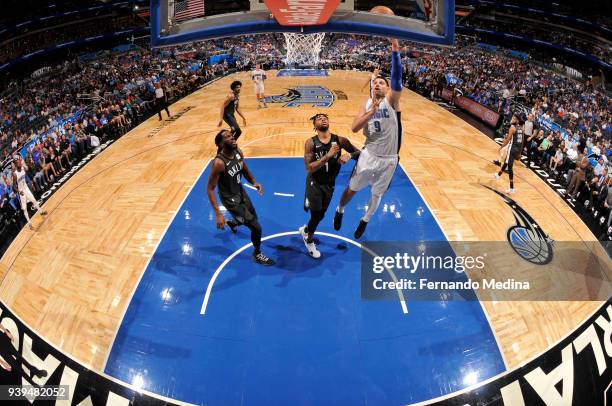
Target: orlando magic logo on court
x,y
315,96
526,237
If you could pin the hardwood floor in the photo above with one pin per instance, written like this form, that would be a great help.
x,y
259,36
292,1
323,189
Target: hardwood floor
x,y
72,279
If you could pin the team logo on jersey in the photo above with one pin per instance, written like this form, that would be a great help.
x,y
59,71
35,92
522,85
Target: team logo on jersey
x,y
315,96
527,238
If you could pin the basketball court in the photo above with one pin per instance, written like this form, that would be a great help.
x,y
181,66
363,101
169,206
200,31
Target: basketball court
x,y
143,286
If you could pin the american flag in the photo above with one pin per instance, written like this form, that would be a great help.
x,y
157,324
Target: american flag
x,y
188,9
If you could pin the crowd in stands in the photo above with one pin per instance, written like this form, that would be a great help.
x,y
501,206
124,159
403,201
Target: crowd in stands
x,y
111,94
497,79
595,11
25,44
577,154
508,84
80,104
548,33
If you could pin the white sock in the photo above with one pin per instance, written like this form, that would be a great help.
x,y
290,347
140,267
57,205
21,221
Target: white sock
x,y
340,209
372,207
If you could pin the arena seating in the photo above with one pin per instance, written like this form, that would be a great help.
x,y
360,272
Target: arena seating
x,y
111,93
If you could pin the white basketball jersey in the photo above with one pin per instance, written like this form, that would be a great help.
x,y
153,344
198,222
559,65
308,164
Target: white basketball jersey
x,y
21,179
257,75
383,131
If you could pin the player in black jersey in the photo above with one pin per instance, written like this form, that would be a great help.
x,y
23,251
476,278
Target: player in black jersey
x,y
229,107
323,160
227,172
516,141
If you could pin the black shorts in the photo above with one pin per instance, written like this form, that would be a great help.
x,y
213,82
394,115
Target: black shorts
x,y
511,157
232,122
317,196
242,211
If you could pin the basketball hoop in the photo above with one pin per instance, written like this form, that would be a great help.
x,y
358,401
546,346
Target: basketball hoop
x,y
303,49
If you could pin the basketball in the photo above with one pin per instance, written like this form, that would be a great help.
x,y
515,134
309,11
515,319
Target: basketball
x,y
382,10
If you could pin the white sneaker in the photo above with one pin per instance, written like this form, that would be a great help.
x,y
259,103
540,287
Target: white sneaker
x,y
511,191
311,247
497,177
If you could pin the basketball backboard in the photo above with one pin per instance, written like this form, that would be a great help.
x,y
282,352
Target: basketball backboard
x,y
182,21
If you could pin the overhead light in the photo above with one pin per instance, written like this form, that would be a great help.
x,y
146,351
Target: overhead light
x,y
470,379
138,381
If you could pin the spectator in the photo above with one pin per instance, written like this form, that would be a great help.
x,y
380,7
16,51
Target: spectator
x,y
598,190
599,168
579,175
161,100
556,160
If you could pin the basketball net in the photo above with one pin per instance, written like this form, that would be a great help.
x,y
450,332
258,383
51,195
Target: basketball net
x,y
303,49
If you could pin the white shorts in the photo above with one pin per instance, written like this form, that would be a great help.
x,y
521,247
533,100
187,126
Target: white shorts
x,y
26,198
373,170
259,88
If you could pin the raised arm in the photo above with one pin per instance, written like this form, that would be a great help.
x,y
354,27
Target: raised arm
x,y
363,116
15,185
346,145
353,152
369,82
310,160
393,96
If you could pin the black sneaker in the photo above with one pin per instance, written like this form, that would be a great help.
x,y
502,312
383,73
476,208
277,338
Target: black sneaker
x,y
338,220
360,229
261,259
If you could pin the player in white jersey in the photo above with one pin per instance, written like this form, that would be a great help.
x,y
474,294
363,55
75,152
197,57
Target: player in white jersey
x,y
25,195
258,76
380,120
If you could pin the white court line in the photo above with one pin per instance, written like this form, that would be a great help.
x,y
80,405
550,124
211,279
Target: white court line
x,y
484,311
209,288
249,186
178,209
433,213
284,194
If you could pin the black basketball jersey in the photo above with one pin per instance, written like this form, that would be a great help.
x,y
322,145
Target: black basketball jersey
x,y
326,175
230,186
231,107
516,143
